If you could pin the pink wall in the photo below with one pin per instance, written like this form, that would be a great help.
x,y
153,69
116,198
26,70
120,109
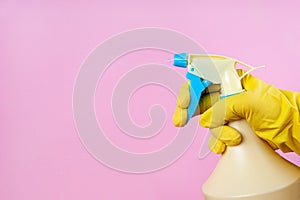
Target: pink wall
x,y
42,48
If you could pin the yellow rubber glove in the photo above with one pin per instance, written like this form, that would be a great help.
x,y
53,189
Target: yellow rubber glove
x,y
226,137
208,98
273,114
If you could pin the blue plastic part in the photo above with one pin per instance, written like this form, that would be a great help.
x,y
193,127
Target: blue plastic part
x,y
180,60
196,88
229,95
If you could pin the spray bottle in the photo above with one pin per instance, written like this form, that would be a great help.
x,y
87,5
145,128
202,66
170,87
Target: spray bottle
x,y
251,170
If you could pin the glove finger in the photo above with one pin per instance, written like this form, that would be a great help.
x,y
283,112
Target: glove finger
x,y
227,135
179,117
216,146
212,88
208,101
230,109
183,98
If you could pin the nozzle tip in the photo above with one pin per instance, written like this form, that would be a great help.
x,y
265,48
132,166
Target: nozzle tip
x,y
180,60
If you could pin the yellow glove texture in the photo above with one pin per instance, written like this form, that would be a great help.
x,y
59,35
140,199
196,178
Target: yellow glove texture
x,y
273,114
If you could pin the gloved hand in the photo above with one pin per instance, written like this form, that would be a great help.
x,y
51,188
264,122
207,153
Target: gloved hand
x,y
273,114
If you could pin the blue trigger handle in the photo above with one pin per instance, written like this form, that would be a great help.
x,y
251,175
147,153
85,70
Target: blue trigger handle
x,y
197,86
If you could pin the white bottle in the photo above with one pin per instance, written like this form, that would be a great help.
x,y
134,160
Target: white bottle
x,y
252,171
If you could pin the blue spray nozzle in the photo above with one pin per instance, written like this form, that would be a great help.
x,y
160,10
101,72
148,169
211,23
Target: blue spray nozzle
x,y
197,85
180,60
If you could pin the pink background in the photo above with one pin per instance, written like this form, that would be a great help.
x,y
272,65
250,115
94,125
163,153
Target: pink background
x,y
42,47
